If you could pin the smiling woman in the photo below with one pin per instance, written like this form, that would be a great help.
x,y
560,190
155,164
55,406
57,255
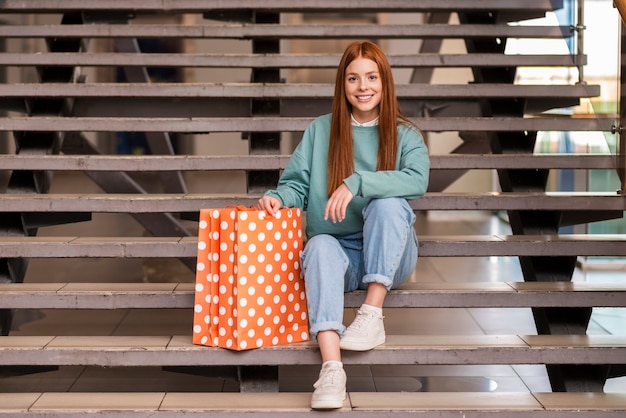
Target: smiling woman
x,y
352,173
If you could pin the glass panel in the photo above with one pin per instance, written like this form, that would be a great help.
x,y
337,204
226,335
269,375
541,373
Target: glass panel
x,y
602,46
602,40
567,18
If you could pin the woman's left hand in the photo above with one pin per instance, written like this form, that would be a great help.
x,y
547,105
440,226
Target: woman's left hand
x,y
337,204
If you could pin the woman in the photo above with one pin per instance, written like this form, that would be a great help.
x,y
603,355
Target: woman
x,y
353,172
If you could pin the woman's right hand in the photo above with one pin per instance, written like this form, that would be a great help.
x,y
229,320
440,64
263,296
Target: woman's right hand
x,y
269,204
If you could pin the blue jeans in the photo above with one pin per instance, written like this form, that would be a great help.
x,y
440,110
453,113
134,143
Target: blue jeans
x,y
385,252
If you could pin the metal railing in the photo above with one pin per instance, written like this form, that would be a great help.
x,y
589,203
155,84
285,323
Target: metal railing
x,y
619,130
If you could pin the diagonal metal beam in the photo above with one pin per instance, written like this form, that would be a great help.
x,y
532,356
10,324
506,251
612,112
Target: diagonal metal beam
x,y
159,142
158,224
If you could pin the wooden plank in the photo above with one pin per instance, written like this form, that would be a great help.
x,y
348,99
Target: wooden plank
x,y
290,124
297,404
499,294
498,404
291,107
429,246
96,295
202,6
292,90
112,351
144,163
59,404
496,201
193,202
283,31
584,402
409,295
527,245
279,60
98,247
522,161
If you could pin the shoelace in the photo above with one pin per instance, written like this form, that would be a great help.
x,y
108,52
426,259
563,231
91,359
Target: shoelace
x,y
362,318
329,377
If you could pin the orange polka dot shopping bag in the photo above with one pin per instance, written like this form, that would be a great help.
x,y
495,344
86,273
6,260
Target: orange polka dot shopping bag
x,y
249,287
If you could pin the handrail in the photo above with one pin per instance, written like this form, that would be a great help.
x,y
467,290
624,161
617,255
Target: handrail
x,y
580,28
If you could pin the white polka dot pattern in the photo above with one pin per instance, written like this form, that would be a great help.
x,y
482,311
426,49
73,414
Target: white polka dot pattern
x,y
249,287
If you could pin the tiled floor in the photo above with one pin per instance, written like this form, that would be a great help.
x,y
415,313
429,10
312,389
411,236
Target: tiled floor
x,y
496,378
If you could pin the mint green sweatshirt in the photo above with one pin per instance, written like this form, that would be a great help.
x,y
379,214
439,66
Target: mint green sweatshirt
x,y
304,180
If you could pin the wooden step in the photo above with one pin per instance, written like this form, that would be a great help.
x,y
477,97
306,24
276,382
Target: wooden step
x,y
409,295
429,246
286,91
279,60
290,107
304,6
197,100
283,31
297,404
193,202
290,124
522,161
148,163
178,350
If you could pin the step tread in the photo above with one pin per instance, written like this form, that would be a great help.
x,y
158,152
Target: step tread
x,y
278,162
281,60
290,124
291,90
430,404
178,350
414,295
285,31
429,246
192,202
202,6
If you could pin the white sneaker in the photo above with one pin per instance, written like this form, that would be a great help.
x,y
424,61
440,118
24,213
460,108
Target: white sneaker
x,y
366,331
330,388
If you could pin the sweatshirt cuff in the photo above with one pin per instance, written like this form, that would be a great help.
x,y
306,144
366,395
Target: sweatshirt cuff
x,y
273,193
354,184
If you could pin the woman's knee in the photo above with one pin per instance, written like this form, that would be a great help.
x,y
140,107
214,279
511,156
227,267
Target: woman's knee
x,y
389,206
323,250
319,245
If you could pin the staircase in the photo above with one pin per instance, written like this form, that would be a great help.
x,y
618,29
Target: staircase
x,y
80,77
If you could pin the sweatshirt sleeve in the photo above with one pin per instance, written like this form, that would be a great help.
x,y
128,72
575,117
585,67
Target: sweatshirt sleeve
x,y
294,183
409,180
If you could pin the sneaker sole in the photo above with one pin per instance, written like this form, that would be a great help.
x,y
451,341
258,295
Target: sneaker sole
x,y
328,403
351,346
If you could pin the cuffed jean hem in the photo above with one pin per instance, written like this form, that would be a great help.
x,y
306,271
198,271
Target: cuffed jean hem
x,y
326,326
378,278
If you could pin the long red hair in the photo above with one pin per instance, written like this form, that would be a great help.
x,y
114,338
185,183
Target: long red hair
x,y
340,152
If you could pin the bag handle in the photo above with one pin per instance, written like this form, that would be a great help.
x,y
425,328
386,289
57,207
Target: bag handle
x,y
240,208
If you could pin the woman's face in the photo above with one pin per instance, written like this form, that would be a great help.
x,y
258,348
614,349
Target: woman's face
x,y
363,89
